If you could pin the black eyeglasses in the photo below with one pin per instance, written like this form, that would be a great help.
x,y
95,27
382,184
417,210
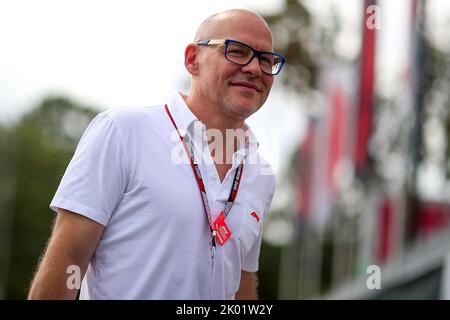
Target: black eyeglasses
x,y
242,54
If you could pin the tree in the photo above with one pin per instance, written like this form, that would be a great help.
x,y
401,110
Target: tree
x,y
304,42
38,150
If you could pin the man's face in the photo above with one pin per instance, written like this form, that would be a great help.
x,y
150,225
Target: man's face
x,y
236,90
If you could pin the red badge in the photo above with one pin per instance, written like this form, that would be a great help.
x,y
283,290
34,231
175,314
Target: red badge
x,y
222,231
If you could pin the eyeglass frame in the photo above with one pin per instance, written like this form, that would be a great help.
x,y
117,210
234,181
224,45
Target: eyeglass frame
x,y
256,53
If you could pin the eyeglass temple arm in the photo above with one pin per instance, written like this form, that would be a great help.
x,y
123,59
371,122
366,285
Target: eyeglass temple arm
x,y
211,41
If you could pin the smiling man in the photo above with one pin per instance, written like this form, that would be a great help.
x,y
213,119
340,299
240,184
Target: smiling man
x,y
160,202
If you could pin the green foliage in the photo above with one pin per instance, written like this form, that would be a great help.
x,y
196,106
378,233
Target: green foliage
x,y
269,272
34,155
304,42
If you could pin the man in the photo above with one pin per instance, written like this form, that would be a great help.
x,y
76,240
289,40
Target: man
x,y
156,202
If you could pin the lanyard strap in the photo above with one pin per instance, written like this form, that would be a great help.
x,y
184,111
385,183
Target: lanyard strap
x,y
201,185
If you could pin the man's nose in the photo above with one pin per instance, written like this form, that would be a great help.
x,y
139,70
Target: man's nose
x,y
253,67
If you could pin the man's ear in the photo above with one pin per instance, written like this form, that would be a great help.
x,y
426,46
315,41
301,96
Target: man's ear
x,y
190,59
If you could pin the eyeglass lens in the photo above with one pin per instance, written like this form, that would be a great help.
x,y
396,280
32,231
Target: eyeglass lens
x,y
241,54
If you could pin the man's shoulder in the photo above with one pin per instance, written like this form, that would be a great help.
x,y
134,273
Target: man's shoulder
x,y
129,120
134,115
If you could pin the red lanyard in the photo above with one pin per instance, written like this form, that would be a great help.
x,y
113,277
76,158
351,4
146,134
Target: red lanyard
x,y
201,185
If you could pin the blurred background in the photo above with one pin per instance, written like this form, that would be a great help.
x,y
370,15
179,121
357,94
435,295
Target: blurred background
x,y
357,128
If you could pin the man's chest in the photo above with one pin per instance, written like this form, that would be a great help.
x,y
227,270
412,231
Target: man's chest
x,y
222,170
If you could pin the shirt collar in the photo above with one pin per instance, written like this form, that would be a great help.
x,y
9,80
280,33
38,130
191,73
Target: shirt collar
x,y
183,116
186,120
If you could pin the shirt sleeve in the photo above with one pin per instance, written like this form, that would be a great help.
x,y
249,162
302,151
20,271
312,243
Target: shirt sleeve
x,y
95,179
251,261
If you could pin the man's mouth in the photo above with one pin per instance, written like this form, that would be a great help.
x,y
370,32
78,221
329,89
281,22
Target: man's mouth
x,y
246,84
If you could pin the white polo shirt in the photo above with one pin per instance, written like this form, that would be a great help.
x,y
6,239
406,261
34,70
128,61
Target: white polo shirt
x,y
126,175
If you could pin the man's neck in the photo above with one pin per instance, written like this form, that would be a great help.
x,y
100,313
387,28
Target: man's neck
x,y
215,119
212,117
